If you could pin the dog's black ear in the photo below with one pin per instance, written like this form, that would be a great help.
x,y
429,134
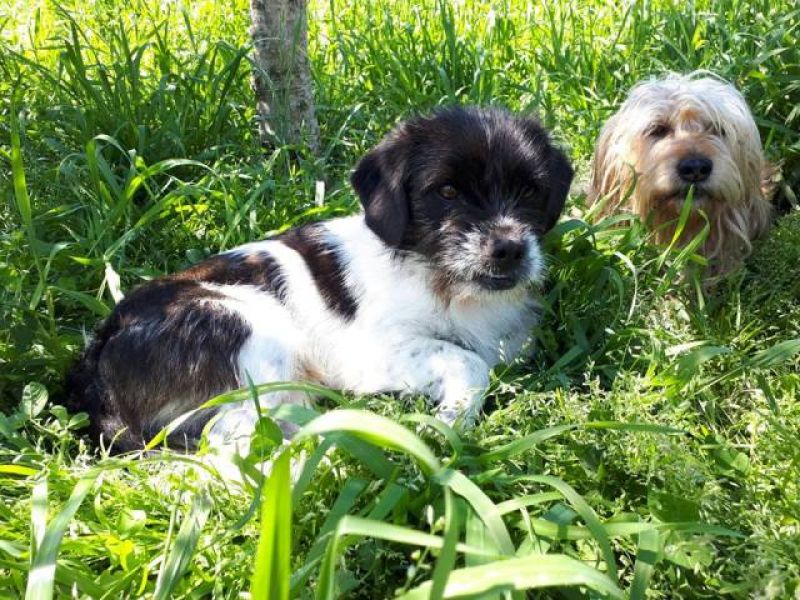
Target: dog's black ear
x,y
378,180
561,174
559,170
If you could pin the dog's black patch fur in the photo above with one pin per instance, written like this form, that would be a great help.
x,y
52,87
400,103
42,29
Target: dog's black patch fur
x,y
259,270
162,341
325,267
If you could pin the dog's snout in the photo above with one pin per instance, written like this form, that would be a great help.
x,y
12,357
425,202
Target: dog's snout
x,y
695,169
506,253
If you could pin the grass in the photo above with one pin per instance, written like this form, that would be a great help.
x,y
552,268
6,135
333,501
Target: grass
x,y
649,450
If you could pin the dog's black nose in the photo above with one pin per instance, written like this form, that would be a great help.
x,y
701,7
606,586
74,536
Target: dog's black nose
x,y
506,254
695,169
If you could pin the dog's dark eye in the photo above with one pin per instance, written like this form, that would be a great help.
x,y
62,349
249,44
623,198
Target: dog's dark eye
x,y
448,192
659,130
530,193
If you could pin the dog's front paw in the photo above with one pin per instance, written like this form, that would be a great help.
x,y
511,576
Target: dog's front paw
x,y
459,389
460,403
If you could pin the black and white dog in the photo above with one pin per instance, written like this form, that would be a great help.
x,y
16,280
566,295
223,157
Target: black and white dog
x,y
422,293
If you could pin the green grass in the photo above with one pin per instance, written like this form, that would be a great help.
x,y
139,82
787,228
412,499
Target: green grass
x,y
649,450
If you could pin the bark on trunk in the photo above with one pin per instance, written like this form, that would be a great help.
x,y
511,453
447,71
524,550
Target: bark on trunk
x,y
281,76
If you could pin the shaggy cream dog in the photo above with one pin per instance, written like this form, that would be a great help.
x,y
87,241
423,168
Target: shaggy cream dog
x,y
682,132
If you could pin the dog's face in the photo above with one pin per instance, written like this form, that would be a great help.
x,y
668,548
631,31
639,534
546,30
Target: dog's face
x,y
471,191
678,133
698,133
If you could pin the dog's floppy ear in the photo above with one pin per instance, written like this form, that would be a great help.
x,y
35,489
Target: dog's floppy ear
x,y
561,174
378,180
559,171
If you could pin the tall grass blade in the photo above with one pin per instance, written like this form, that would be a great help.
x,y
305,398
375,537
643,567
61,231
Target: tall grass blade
x,y
521,502
23,202
526,443
447,555
43,565
648,554
38,515
344,502
476,534
376,430
445,430
21,197
183,548
519,574
586,512
351,528
776,355
272,566
296,414
483,506
635,427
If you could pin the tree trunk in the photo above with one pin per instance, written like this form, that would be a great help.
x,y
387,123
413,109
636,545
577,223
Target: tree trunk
x,y
281,77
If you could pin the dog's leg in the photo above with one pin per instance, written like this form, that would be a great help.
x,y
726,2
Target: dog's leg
x,y
454,378
459,379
